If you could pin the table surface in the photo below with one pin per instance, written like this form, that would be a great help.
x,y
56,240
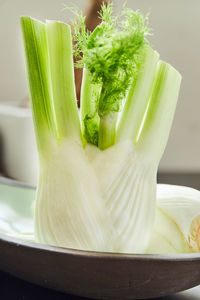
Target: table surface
x,y
12,288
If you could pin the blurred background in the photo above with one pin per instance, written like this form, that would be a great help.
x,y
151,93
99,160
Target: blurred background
x,y
176,37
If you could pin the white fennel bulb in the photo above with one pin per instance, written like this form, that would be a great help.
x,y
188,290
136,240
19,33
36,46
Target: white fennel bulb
x,y
97,181
177,222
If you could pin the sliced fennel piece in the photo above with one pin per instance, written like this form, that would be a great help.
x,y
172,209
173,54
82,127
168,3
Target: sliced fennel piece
x,y
177,223
64,214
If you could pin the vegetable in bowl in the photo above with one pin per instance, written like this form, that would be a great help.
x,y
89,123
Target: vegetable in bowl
x,y
177,221
97,178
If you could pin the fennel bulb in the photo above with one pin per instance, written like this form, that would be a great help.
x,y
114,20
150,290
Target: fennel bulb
x,y
97,183
66,215
177,222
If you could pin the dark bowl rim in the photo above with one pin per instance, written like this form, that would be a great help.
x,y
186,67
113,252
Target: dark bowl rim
x,y
16,183
19,242
94,254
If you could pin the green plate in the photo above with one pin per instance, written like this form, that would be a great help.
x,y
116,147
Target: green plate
x,y
89,274
16,209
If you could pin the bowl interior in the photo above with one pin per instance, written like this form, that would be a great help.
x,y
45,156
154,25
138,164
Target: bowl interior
x,y
16,208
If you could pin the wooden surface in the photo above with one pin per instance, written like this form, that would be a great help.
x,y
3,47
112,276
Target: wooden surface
x,y
12,288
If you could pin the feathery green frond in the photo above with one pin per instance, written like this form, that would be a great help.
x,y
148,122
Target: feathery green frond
x,y
112,53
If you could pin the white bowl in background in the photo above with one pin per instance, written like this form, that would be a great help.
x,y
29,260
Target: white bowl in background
x,y
17,143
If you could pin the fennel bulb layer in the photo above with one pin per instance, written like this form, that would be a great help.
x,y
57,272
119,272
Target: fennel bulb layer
x,y
127,182
177,222
65,215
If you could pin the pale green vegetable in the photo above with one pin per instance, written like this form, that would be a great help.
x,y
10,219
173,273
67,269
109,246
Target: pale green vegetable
x,y
177,223
69,210
97,183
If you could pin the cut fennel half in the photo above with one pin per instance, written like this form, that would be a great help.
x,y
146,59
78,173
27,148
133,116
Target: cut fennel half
x,y
177,223
97,179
